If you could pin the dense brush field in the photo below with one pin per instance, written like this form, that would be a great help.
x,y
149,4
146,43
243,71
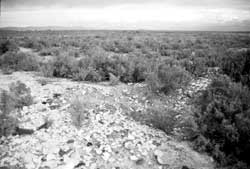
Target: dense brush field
x,y
128,55
165,61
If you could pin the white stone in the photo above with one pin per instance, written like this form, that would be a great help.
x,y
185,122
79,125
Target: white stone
x,y
134,158
166,157
106,156
51,156
129,145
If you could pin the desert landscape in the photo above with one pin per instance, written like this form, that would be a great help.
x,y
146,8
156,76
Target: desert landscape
x,y
124,99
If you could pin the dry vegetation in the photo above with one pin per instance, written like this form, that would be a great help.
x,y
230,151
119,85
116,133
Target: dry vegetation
x,y
166,61
11,102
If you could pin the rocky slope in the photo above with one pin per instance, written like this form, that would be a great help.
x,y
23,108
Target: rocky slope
x,y
108,138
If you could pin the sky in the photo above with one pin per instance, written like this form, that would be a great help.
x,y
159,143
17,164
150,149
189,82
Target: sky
x,y
211,15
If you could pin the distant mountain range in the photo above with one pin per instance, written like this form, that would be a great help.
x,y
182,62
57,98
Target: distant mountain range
x,y
45,28
34,28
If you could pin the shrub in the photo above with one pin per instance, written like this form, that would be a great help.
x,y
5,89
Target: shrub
x,y
34,44
43,81
63,66
97,68
164,49
7,45
195,66
18,97
164,120
89,69
113,80
7,70
50,52
167,78
21,93
8,121
103,66
19,61
80,74
139,72
160,118
27,62
118,46
9,60
78,111
93,76
129,68
47,69
237,66
223,117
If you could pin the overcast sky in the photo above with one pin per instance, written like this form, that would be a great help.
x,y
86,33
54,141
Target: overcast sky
x,y
225,15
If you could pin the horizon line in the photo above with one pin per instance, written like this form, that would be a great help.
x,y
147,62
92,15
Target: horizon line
x,y
82,28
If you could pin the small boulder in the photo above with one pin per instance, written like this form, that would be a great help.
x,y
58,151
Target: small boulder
x,y
63,152
22,131
134,158
180,155
166,157
57,95
45,125
70,141
129,145
81,163
140,161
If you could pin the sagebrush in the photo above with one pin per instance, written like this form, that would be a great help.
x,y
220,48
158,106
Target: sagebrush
x,y
223,117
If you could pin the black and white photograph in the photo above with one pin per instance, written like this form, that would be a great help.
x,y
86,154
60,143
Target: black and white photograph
x,y
124,84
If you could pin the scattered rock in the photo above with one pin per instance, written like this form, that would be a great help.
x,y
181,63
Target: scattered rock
x,y
22,131
134,158
44,167
156,143
54,106
63,152
51,156
106,156
129,145
70,141
48,101
112,139
45,125
89,144
50,164
43,159
185,167
180,155
72,160
166,157
80,164
98,151
57,95
140,161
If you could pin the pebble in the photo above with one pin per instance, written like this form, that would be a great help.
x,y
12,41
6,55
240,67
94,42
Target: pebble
x,y
106,156
129,145
134,158
131,137
140,161
98,151
51,157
